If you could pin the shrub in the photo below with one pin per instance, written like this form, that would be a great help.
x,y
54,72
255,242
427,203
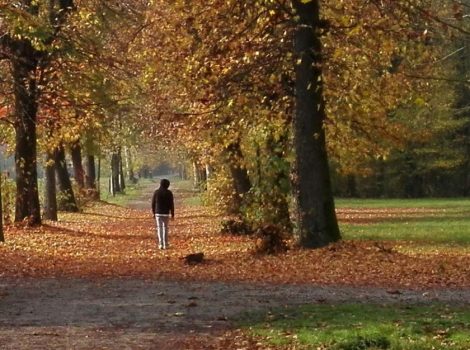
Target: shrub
x,y
235,227
270,239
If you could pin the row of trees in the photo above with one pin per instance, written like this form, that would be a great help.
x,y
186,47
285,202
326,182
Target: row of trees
x,y
268,79
247,91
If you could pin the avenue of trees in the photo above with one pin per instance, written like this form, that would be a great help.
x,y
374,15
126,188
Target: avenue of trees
x,y
276,105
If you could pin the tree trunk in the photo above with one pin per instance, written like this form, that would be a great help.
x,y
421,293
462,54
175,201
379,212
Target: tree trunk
x,y
196,176
90,177
462,105
129,165
122,180
50,201
280,185
240,178
66,196
26,95
351,186
98,176
115,172
76,153
314,204
2,237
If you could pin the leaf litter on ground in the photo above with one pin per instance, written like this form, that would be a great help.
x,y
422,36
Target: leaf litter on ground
x,y
106,240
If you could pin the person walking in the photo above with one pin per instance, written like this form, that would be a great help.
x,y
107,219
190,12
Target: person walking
x,y
163,208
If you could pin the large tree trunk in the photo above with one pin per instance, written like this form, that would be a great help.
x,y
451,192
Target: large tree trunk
x,y
50,201
462,106
314,204
26,95
79,173
66,198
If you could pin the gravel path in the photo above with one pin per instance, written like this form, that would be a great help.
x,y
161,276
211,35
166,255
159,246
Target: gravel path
x,y
129,314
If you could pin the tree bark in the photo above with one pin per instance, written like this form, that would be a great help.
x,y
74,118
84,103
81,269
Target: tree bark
x,y
90,177
351,186
67,198
280,188
76,154
115,173
26,96
314,205
50,202
129,165
196,175
122,178
462,104
240,178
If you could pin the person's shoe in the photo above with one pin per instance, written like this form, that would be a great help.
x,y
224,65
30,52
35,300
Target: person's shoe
x,y
160,246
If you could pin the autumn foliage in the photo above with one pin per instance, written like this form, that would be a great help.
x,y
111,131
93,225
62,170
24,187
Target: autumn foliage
x,y
108,241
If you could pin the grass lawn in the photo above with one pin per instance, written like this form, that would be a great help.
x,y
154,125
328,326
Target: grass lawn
x,y
357,327
422,225
424,221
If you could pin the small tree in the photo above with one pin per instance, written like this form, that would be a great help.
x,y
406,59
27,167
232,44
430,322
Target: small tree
x,y
50,195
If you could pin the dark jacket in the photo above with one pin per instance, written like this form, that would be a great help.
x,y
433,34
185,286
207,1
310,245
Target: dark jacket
x,y
162,202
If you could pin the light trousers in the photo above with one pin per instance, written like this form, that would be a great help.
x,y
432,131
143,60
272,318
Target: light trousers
x,y
162,229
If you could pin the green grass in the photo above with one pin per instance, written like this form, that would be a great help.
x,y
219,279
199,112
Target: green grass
x,y
445,231
447,203
435,221
131,192
359,326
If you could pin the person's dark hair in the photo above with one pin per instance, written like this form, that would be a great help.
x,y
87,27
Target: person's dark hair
x,y
165,183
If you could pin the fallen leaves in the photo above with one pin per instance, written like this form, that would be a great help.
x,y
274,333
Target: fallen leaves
x,y
110,241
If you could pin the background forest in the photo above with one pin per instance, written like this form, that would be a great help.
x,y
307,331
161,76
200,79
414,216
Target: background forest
x,y
217,90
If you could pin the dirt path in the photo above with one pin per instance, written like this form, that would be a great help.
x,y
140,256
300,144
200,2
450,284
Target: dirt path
x,y
155,314
135,314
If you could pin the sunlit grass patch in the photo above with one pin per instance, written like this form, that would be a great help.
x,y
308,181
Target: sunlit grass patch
x,y
359,326
403,203
435,221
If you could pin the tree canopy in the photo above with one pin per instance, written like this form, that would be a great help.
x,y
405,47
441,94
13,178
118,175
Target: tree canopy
x,y
279,104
